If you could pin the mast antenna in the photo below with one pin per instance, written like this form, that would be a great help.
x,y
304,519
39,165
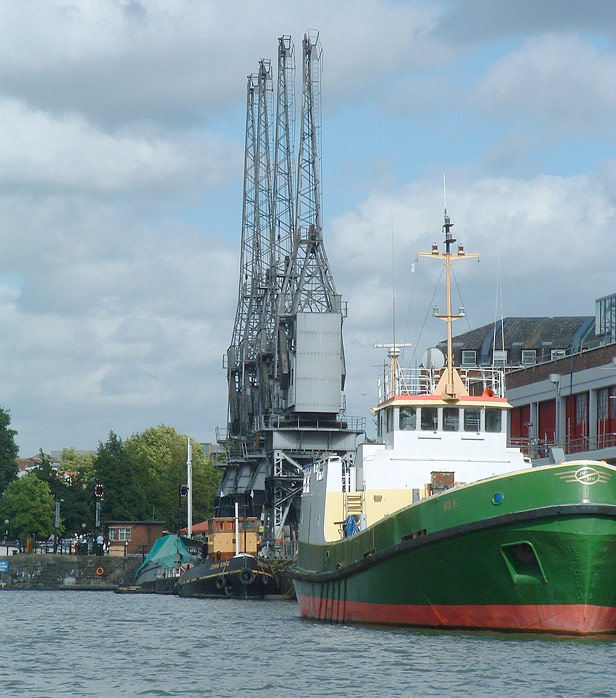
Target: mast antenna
x,y
445,193
451,385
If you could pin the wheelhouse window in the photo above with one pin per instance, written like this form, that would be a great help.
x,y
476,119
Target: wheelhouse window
x,y
529,356
494,420
408,418
389,413
451,419
429,418
472,419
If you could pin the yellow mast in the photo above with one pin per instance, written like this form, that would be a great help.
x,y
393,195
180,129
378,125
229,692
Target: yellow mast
x,y
450,386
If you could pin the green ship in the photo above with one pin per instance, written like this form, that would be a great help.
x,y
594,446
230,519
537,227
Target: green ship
x,y
440,524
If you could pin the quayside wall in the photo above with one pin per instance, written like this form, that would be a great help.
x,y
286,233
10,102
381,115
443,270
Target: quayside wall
x,y
78,572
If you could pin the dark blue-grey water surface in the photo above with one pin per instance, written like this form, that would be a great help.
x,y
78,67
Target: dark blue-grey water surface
x,y
72,643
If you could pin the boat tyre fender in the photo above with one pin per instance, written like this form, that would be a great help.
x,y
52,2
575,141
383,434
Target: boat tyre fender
x,y
220,582
228,590
247,577
100,571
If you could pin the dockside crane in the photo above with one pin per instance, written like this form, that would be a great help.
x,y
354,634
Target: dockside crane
x,y
285,364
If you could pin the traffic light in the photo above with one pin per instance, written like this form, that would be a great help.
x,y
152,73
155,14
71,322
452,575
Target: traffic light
x,y
99,491
183,490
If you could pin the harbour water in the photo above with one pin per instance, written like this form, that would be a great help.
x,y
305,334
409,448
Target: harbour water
x,y
70,643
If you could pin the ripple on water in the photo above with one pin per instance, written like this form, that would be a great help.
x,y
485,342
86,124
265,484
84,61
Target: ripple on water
x,y
101,644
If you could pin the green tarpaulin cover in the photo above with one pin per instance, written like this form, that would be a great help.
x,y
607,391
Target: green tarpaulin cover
x,y
164,553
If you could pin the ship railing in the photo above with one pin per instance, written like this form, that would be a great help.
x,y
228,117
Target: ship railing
x,y
423,381
540,448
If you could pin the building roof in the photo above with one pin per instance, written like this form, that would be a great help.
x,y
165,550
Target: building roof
x,y
540,333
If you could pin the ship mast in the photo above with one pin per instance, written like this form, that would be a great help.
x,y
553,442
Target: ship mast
x,y
189,481
450,385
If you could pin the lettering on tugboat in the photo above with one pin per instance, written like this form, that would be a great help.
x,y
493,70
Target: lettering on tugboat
x,y
586,475
218,565
450,504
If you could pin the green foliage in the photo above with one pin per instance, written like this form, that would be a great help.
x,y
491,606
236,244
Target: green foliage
x,y
45,472
141,477
125,480
8,450
77,490
163,452
28,505
79,465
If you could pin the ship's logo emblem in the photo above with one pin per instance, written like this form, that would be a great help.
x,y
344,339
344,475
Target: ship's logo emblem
x,y
586,475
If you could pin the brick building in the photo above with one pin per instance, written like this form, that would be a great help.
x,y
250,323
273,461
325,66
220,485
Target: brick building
x,y
127,537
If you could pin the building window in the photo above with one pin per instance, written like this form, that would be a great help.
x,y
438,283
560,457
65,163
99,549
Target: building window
x,y
529,356
119,534
429,418
408,418
451,419
469,358
493,420
603,404
500,357
472,419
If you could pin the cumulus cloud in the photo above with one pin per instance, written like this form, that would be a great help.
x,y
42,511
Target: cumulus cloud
x,y
468,21
180,62
69,154
122,328
565,84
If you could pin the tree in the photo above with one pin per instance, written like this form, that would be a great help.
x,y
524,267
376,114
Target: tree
x,y
125,481
28,505
78,477
162,453
8,451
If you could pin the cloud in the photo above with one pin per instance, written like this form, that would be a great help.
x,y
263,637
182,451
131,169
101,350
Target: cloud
x,y
563,83
69,154
474,20
179,62
111,322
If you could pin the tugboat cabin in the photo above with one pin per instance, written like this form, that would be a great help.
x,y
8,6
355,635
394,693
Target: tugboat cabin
x,y
223,540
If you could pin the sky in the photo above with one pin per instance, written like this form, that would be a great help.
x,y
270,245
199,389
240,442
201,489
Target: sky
x,y
121,172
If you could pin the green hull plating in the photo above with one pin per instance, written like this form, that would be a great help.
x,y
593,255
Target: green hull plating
x,y
535,550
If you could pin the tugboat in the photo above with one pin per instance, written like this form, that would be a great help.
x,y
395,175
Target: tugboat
x,y
160,571
231,568
441,524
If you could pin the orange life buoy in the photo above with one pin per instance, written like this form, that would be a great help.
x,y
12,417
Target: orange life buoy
x,y
100,571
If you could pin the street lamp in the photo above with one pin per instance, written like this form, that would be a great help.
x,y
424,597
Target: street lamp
x,y
6,535
555,380
56,526
83,538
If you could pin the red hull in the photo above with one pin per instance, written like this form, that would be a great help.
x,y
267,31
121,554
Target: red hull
x,y
579,619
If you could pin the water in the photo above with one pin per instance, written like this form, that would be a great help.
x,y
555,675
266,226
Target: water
x,y
71,643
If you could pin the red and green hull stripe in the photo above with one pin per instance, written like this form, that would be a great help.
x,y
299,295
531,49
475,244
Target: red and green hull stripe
x,y
557,618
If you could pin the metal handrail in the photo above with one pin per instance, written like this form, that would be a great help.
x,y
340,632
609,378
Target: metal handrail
x,y
423,381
